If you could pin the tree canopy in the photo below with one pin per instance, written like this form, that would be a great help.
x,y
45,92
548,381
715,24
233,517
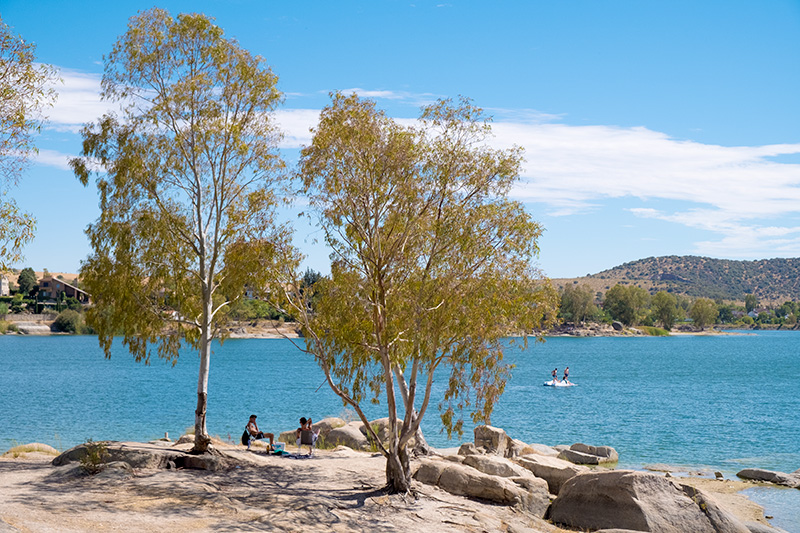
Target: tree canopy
x,y
665,309
431,264
24,93
626,303
703,312
26,281
187,189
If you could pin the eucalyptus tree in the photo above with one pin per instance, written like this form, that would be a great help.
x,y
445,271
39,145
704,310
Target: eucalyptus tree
x,y
703,312
187,178
24,92
664,307
431,266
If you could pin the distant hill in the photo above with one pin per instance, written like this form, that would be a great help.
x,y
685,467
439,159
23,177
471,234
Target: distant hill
x,y
770,280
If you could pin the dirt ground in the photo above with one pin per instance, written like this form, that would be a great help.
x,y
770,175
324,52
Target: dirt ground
x,y
331,491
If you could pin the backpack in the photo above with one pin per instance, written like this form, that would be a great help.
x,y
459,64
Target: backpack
x,y
245,437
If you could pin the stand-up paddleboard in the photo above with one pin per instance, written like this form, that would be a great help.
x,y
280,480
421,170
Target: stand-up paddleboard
x,y
553,383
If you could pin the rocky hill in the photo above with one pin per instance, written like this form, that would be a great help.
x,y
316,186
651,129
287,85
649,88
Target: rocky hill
x,y
770,280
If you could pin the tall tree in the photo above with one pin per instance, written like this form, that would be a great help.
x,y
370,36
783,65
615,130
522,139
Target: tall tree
x,y
750,302
665,309
24,93
626,303
431,265
577,302
26,281
703,312
188,191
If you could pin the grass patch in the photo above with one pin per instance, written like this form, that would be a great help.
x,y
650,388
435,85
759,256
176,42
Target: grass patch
x,y
653,331
35,447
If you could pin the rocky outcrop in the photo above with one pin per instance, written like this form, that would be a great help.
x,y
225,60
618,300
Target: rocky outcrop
x,y
554,471
581,454
779,478
325,426
639,501
349,435
464,480
140,455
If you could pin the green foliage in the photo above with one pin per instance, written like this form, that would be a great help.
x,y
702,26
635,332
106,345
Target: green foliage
x,y
254,310
654,332
3,309
664,308
27,281
626,303
96,456
577,303
187,188
69,321
703,312
427,247
24,93
750,302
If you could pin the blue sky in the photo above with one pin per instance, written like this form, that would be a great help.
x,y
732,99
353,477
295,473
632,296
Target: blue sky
x,y
650,128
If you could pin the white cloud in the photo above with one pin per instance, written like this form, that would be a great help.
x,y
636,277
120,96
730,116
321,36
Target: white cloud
x,y
416,99
78,101
52,158
296,126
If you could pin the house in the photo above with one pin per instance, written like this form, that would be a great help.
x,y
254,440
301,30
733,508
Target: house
x,y
4,288
51,288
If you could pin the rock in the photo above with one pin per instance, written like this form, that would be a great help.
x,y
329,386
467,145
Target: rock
x,y
560,448
326,425
466,481
718,475
469,448
205,461
33,447
607,454
349,435
779,478
617,326
289,437
516,448
454,458
495,466
579,458
116,470
553,470
185,439
616,530
493,439
141,455
639,501
542,449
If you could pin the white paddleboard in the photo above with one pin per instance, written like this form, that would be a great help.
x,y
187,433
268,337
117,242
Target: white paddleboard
x,y
553,383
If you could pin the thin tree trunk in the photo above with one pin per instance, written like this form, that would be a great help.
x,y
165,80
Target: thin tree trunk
x,y
201,439
398,471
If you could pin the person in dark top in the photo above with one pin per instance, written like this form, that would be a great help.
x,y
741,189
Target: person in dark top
x,y
554,373
566,375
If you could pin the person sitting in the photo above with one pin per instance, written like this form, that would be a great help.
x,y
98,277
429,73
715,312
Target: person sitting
x,y
306,434
253,433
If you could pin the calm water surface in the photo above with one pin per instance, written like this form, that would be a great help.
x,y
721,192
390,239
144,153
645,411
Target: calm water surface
x,y
718,403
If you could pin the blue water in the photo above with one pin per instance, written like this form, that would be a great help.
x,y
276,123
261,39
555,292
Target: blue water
x,y
718,403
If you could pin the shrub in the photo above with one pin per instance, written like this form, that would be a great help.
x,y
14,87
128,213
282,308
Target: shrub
x,y
96,456
68,321
654,332
3,309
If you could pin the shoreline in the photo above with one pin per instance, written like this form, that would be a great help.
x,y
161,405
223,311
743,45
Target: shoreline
x,y
334,490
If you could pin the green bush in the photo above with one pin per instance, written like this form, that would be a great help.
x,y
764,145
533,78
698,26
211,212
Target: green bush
x,y
654,332
3,309
68,321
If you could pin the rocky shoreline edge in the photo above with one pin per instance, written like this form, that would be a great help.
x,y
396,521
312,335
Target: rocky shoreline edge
x,y
495,483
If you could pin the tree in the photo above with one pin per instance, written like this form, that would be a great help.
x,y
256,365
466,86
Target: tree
x,y
24,93
577,302
750,302
626,303
26,281
703,312
187,199
431,265
665,309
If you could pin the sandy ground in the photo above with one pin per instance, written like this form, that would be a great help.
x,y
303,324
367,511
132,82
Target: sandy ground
x,y
331,491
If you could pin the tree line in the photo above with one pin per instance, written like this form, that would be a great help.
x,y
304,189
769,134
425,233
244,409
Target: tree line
x,y
632,306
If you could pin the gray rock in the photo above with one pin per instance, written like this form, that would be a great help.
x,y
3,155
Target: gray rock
x,y
516,448
553,470
349,435
579,458
543,449
560,448
779,478
493,439
639,501
136,454
617,326
469,449
607,454
495,466
466,481
617,530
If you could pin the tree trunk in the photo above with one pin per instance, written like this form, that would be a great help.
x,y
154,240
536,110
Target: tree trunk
x,y
201,438
398,471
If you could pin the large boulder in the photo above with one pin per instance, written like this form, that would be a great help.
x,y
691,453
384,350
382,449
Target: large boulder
x,y
779,478
495,466
639,501
466,481
144,455
553,470
349,435
492,439
543,449
516,448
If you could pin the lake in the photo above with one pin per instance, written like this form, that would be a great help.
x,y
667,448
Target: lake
x,y
705,402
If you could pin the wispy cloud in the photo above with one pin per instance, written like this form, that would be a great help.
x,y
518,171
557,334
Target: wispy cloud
x,y
416,99
78,101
